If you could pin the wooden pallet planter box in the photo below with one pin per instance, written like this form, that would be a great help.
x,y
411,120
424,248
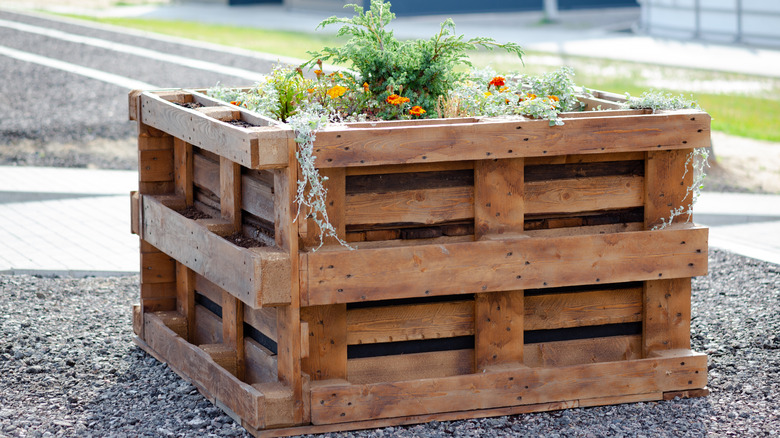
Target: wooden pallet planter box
x,y
500,266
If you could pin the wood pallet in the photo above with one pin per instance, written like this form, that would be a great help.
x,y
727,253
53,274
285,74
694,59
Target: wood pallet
x,y
500,266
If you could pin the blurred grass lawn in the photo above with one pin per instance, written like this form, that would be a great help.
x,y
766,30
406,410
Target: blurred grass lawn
x,y
747,113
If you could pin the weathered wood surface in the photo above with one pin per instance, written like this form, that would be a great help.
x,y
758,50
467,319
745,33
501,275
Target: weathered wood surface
x,y
265,278
340,276
488,139
200,367
235,143
510,386
410,366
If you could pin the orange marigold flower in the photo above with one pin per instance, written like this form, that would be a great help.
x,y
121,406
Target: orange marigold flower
x,y
310,90
235,102
497,82
417,111
555,98
365,87
531,96
318,73
395,99
336,91
503,89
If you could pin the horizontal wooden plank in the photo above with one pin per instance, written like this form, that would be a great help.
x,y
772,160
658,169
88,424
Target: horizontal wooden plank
x,y
582,351
198,366
264,320
576,309
410,322
259,362
509,385
208,327
237,144
155,165
410,366
410,206
256,276
342,276
205,173
501,138
584,194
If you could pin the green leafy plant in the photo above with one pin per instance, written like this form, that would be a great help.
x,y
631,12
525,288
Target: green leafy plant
x,y
656,100
420,70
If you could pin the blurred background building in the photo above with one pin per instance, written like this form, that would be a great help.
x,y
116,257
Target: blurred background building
x,y
755,22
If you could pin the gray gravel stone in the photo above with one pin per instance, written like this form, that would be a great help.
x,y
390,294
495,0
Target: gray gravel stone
x,y
68,367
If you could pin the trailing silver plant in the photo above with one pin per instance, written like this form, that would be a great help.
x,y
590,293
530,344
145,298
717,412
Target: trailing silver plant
x,y
699,158
311,191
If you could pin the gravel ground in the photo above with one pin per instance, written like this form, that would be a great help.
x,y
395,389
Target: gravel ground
x,y
68,367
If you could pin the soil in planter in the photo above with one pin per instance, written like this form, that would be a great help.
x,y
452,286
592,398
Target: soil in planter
x,y
193,213
190,105
241,123
239,239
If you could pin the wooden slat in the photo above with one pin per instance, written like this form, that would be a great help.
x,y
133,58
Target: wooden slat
x,y
183,169
230,192
499,204
426,206
327,355
582,351
668,178
498,327
155,165
257,198
157,267
339,276
491,139
667,315
260,363
263,319
233,330
410,322
584,194
232,142
208,327
185,297
409,168
410,366
584,158
240,397
288,321
577,309
266,276
509,386
411,206
206,173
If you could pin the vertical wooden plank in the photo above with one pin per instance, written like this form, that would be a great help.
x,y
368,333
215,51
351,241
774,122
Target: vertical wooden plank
x,y
185,297
327,358
498,197
230,192
288,323
668,175
336,189
666,312
498,210
666,318
233,329
183,169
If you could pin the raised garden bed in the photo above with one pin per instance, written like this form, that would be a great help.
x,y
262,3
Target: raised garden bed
x,y
499,266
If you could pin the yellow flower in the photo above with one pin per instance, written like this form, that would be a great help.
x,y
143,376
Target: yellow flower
x,y
365,87
336,91
417,111
531,96
503,89
487,93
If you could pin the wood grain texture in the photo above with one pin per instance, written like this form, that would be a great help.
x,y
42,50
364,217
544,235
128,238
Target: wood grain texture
x,y
498,327
340,276
233,330
208,327
669,178
410,322
507,386
667,315
499,197
576,309
198,366
230,192
427,206
412,366
582,351
260,363
237,144
488,139
155,165
185,297
266,273
327,355
183,169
